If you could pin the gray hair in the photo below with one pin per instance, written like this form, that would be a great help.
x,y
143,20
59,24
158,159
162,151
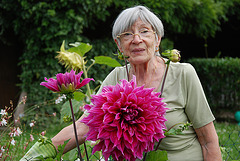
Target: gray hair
x,y
128,17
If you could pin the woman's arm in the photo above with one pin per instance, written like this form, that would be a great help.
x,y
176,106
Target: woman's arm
x,y
208,139
68,133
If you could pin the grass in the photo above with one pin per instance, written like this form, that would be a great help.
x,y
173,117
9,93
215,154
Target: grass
x,y
229,140
228,133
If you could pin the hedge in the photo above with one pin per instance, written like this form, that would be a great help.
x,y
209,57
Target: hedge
x,y
221,82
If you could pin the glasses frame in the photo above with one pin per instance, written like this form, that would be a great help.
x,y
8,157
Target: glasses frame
x,y
133,34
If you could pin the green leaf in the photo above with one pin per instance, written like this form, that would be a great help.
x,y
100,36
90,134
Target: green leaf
x,y
61,149
157,156
80,48
106,61
66,110
79,96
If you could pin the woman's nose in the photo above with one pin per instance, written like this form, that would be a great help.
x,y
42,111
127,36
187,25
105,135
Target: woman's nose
x,y
136,39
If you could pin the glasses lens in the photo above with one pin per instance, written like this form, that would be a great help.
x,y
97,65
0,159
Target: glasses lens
x,y
145,33
142,34
127,35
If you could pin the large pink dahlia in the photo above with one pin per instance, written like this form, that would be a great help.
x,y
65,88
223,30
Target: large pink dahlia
x,y
127,120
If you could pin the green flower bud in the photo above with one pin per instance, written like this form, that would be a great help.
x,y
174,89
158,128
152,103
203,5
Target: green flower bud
x,y
67,118
172,55
175,55
120,55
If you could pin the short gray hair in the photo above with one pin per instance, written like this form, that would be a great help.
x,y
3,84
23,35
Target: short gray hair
x,y
128,17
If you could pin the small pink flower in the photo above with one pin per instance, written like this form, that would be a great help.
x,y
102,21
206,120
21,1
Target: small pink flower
x,y
31,137
17,121
13,142
66,83
3,122
82,108
3,112
15,132
25,147
43,133
24,100
127,120
32,123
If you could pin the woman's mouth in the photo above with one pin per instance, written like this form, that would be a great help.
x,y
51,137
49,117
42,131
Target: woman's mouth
x,y
138,50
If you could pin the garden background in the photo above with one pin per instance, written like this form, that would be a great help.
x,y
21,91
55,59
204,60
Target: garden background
x,y
31,32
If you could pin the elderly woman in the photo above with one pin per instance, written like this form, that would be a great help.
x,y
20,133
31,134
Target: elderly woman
x,y
137,33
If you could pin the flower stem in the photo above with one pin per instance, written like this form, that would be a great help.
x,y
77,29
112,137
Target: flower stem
x,y
126,68
75,131
7,155
85,147
86,76
162,87
164,78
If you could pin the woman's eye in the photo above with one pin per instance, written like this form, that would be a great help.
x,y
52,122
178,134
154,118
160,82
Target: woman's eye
x,y
127,34
144,31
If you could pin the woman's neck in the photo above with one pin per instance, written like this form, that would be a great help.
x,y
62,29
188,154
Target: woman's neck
x,y
148,73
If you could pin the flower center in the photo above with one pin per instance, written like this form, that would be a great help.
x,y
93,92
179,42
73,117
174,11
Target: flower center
x,y
130,114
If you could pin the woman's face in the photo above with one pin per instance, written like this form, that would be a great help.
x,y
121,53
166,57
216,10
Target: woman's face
x,y
139,48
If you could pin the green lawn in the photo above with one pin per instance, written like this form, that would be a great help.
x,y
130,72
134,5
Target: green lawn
x,y
229,138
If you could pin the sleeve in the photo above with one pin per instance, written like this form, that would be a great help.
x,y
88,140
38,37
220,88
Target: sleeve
x,y
197,108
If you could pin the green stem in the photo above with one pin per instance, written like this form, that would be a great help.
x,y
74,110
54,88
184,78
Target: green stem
x,y
126,68
91,65
89,95
86,76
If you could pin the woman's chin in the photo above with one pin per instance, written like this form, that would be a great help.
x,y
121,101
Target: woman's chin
x,y
138,61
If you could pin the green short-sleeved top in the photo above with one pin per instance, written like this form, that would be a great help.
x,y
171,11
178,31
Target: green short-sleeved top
x,y
186,101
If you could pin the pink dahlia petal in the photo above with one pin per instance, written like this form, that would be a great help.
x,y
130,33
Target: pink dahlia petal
x,y
84,82
51,84
72,77
127,120
61,79
66,83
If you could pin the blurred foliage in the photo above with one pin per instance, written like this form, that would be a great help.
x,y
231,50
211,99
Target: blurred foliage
x,y
221,82
199,17
40,27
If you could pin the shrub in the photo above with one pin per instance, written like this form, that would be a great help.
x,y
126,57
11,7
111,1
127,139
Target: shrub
x,y
221,82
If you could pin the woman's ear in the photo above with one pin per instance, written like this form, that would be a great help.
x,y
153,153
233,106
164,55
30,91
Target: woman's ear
x,y
118,45
158,40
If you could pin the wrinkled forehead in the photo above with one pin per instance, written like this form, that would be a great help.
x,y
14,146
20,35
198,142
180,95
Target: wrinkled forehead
x,y
139,25
137,21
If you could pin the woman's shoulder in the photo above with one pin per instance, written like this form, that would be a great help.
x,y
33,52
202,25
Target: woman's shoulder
x,y
183,68
115,75
120,69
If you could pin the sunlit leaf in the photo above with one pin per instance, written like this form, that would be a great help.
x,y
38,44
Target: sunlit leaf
x,y
107,61
80,48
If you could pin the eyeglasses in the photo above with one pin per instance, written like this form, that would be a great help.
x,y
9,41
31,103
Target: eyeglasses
x,y
145,33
